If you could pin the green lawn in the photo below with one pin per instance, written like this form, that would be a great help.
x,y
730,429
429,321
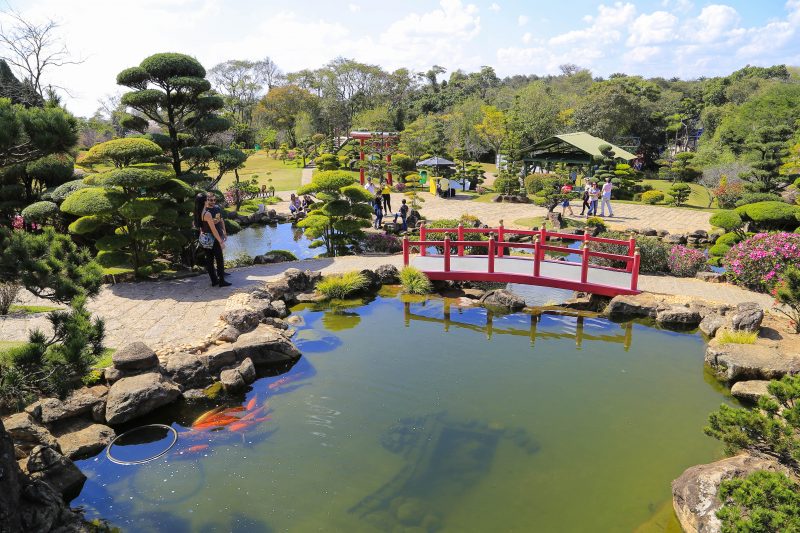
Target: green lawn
x,y
31,309
285,176
7,345
697,198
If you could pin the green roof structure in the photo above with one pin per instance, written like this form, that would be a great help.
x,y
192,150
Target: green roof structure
x,y
576,148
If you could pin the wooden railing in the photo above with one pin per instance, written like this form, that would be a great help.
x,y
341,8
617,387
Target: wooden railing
x,y
497,246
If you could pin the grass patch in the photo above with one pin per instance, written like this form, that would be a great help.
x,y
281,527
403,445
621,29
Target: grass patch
x,y
414,281
285,176
251,206
340,286
5,346
95,374
31,309
117,271
486,198
698,197
737,337
530,222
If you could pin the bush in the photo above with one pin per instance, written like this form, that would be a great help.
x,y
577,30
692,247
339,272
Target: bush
x,y
653,255
286,255
399,186
432,225
756,197
686,262
596,222
382,243
506,185
759,261
415,281
231,226
737,337
341,286
680,193
771,215
242,259
327,162
727,220
719,250
540,182
728,194
8,293
40,212
762,501
730,239
652,197
787,292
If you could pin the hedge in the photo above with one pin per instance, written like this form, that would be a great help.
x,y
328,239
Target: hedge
x,y
91,201
652,197
771,215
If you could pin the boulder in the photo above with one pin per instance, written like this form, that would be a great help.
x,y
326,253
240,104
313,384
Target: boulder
x,y
265,345
270,258
711,324
135,396
27,433
242,319
640,305
748,317
300,281
77,403
228,334
47,465
216,359
80,439
279,290
232,380
504,299
662,233
248,370
189,371
278,323
737,362
674,239
694,493
388,274
473,294
711,277
111,374
582,301
373,281
277,309
310,297
35,410
649,232
678,317
750,390
135,356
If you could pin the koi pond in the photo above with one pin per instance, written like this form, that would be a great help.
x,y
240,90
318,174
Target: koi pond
x,y
414,414
256,240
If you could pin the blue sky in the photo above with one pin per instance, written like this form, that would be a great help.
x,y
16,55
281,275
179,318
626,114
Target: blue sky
x,y
666,38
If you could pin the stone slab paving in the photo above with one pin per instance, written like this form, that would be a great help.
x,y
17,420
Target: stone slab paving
x,y
183,311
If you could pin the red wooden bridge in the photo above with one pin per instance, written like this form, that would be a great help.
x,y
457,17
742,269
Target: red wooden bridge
x,y
498,265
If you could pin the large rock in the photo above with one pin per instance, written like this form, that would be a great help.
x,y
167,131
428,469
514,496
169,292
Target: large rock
x,y
77,403
711,277
232,380
264,345
248,370
738,362
301,281
751,390
135,396
373,281
46,464
135,356
27,433
640,305
189,371
243,319
218,358
503,299
711,323
277,309
388,274
694,493
81,438
678,317
748,317
228,334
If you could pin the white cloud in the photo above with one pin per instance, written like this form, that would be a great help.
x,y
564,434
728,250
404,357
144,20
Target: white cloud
x,y
604,27
354,8
522,20
527,37
494,7
658,27
682,6
714,22
642,54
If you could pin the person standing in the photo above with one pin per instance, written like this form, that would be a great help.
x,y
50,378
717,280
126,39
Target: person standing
x,y
403,214
208,218
594,195
377,206
585,205
606,199
386,192
370,187
566,190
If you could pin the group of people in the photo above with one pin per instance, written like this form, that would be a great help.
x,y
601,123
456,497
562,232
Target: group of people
x,y
297,204
382,203
592,195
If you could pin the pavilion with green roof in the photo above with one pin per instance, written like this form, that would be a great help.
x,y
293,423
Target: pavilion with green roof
x,y
579,148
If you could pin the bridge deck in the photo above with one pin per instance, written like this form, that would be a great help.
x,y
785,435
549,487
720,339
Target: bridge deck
x,y
559,274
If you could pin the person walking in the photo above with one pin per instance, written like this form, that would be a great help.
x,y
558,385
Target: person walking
x,y
567,190
403,214
370,187
386,192
378,208
585,205
606,199
594,194
208,219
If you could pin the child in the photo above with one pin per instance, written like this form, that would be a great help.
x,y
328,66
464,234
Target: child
x,y
377,206
403,214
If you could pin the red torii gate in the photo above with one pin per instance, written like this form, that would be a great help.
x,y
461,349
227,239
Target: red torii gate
x,y
387,138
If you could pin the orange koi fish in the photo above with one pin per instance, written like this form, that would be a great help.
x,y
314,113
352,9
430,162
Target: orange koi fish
x,y
257,412
251,404
286,379
235,409
197,448
217,422
200,419
238,426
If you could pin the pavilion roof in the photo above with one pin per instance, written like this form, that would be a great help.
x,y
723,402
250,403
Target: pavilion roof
x,y
569,146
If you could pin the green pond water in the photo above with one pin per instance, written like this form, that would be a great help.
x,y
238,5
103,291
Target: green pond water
x,y
425,416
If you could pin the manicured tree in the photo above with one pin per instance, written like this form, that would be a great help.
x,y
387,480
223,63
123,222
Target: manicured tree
x,y
606,164
468,172
625,180
680,193
340,215
327,162
229,160
787,293
768,147
30,134
123,152
730,221
770,215
172,91
679,169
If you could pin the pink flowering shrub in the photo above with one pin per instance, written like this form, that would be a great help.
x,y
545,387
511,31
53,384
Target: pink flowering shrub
x,y
759,261
686,262
382,243
18,222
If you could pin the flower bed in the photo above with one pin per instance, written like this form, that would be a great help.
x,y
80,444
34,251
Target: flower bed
x,y
757,263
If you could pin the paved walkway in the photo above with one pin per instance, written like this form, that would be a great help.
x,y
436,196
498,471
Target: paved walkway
x,y
183,311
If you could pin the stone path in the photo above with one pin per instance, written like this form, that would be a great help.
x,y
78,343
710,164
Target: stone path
x,y
183,311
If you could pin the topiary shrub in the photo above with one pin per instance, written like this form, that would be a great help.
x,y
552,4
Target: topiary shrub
x,y
755,197
40,212
506,185
91,201
415,281
653,255
771,215
232,227
60,193
339,286
686,262
730,221
680,193
652,197
382,243
787,292
327,162
597,222
535,183
759,261
51,170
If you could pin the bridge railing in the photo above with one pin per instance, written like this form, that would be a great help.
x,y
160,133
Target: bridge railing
x,y
496,248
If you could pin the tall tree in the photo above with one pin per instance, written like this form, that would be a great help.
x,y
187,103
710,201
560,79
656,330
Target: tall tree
x,y
172,90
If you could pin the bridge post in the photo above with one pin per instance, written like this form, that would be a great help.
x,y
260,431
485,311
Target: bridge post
x,y
543,236
446,253
460,237
500,237
405,250
635,274
361,158
631,252
585,263
422,238
536,257
491,254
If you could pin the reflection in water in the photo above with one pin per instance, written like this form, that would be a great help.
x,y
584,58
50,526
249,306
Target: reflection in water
x,y
574,325
257,240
